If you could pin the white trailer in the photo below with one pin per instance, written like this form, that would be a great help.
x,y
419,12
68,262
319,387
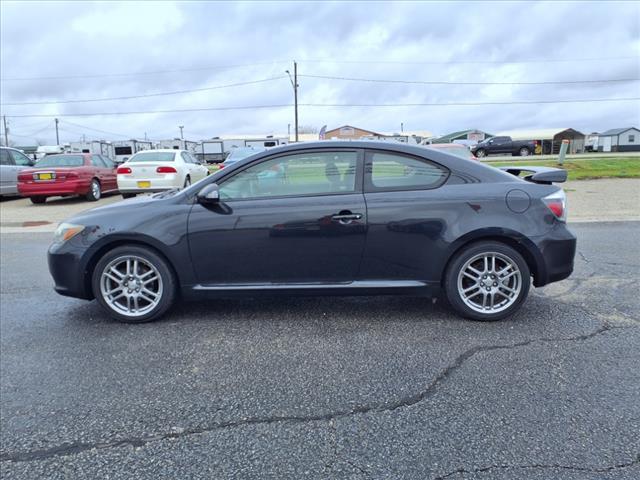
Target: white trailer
x,y
179,144
267,141
99,147
123,150
210,151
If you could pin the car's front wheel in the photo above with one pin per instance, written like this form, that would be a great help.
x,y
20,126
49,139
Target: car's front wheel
x,y
487,281
38,200
480,153
134,284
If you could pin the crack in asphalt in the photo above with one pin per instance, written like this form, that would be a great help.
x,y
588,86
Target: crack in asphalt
x,y
463,471
407,401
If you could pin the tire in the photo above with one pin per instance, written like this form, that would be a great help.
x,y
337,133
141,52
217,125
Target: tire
x,y
128,195
480,153
506,302
524,152
38,200
149,265
187,182
95,192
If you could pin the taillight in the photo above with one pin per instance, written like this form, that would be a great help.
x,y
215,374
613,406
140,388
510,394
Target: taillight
x,y
557,203
123,170
166,170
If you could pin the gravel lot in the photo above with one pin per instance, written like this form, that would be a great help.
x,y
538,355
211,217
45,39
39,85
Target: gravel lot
x,y
327,387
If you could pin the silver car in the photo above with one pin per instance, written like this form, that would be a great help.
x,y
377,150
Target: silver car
x,y
12,161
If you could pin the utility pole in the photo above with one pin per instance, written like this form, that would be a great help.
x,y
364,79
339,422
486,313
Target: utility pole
x,y
401,127
294,84
57,136
145,136
181,136
6,131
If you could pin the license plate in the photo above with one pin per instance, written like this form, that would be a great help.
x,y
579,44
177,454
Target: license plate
x,y
46,176
144,184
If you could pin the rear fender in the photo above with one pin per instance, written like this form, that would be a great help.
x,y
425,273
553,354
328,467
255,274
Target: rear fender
x,y
522,244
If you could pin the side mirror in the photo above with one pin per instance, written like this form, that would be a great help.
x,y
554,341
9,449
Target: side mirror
x,y
209,194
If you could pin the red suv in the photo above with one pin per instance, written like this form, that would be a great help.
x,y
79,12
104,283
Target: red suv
x,y
68,174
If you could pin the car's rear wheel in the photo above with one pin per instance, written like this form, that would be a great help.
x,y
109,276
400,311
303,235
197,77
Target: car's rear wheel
x,y
480,153
134,284
95,192
187,182
487,281
524,152
128,195
38,200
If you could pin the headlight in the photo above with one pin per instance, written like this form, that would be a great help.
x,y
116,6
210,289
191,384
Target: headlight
x,y
66,231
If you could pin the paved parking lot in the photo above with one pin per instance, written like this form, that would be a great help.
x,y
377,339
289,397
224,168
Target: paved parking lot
x,y
326,387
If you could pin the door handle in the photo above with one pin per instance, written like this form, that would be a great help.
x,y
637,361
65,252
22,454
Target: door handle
x,y
346,217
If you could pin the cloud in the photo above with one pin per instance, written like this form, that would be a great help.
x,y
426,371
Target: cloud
x,y
255,40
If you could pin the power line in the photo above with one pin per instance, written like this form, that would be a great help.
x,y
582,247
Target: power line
x,y
469,62
421,82
159,94
134,74
320,60
95,129
255,107
471,104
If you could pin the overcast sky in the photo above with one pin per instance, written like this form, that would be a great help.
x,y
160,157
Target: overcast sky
x,y
114,49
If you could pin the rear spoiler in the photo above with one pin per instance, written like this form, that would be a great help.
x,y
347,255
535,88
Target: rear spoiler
x,y
545,175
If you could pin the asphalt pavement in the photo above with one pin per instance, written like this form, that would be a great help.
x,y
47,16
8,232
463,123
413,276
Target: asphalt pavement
x,y
371,387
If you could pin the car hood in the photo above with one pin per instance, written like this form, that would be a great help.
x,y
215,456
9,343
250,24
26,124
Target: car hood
x,y
125,207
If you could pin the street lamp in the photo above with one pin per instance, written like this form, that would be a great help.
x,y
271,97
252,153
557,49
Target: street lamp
x,y
294,84
181,136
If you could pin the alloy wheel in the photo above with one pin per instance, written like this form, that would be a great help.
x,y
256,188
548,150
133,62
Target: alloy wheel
x,y
131,286
489,282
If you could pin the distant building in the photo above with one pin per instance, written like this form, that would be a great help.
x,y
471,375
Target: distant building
x,y
467,137
549,139
347,132
619,140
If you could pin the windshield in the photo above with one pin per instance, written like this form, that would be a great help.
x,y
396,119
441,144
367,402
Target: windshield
x,y
61,161
150,156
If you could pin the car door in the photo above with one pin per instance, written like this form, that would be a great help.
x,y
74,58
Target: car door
x,y
200,171
406,214
110,178
8,173
501,145
287,219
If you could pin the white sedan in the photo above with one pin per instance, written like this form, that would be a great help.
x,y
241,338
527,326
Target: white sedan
x,y
158,170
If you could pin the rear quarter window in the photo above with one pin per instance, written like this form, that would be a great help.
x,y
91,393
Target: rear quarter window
x,y
396,172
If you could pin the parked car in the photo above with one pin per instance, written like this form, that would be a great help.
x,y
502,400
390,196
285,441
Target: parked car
x,y
326,218
67,174
12,162
502,145
239,153
456,149
158,170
